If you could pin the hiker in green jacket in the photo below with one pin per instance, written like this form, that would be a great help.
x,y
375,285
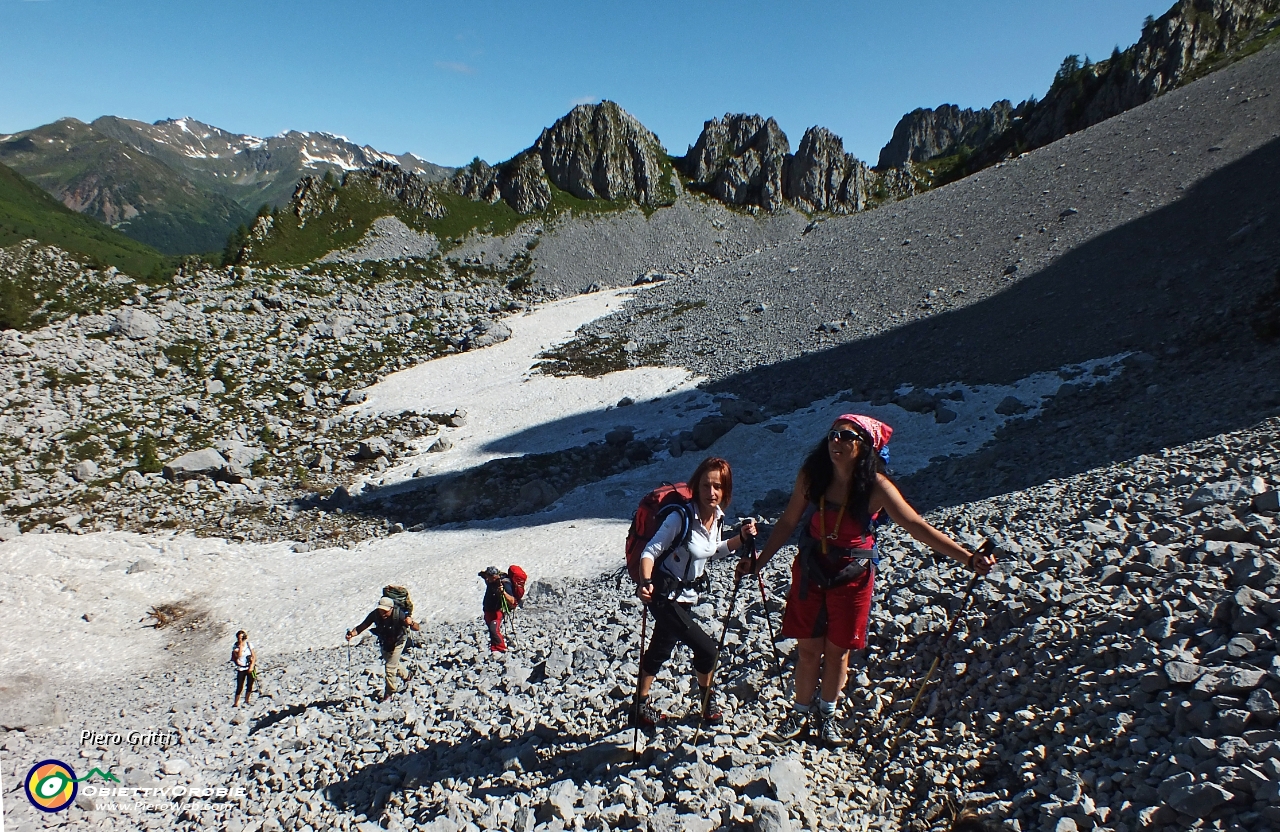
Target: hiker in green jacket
x,y
391,625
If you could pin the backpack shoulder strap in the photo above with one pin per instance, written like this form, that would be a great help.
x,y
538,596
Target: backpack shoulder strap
x,y
686,529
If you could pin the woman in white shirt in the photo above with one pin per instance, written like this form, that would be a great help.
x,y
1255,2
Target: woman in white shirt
x,y
246,662
671,570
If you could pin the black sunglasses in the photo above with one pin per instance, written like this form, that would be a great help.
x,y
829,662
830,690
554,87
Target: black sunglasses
x,y
845,435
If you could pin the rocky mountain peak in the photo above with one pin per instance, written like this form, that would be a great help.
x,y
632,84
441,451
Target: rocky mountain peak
x,y
1192,38
822,177
596,151
739,159
925,134
600,151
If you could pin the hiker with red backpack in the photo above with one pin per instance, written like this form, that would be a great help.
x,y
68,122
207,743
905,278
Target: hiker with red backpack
x,y
670,574
840,493
391,620
503,592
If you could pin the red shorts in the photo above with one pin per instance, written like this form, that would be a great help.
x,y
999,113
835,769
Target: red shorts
x,y
839,614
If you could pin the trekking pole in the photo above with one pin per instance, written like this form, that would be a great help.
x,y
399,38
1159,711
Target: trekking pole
x,y
507,617
764,602
985,548
635,731
724,631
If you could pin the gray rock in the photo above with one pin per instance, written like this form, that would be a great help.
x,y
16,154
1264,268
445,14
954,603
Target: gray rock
x,y
1183,673
789,781
9,531
487,333
711,428
917,401
1226,491
1263,706
174,766
1239,680
1198,799
538,494
85,470
1010,406
206,462
770,816
373,448
1267,501
135,324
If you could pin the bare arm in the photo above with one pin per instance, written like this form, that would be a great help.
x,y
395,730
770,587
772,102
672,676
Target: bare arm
x,y
786,523
886,496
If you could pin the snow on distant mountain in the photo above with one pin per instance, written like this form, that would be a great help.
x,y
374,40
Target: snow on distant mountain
x,y
250,169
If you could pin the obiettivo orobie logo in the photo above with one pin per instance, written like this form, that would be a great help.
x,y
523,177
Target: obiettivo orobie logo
x,y
51,785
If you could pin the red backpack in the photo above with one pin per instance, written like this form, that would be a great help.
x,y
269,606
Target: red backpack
x,y
518,577
654,508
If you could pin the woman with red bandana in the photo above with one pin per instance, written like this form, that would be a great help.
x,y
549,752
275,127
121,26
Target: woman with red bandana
x,y
841,487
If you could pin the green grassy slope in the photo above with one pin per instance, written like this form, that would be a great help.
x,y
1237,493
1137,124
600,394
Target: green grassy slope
x,y
27,212
115,184
293,241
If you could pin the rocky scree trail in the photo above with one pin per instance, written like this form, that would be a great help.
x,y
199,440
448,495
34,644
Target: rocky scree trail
x,y
1119,671
215,404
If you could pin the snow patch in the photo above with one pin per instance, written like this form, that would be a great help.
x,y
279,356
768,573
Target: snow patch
x,y
293,601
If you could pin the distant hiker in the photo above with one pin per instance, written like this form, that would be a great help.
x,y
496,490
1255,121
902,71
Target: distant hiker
x,y
672,575
391,623
840,492
246,662
503,592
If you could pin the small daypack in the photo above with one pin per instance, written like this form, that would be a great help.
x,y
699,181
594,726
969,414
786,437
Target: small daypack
x,y
655,507
517,577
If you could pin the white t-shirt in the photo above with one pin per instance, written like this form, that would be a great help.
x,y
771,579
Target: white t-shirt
x,y
687,562
242,663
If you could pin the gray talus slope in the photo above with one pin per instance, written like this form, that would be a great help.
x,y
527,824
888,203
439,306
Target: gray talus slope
x,y
1157,193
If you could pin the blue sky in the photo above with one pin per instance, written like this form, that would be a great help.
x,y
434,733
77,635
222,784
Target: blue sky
x,y
449,81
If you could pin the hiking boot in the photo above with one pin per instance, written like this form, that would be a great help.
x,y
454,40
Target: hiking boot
x,y
793,726
828,731
712,707
647,716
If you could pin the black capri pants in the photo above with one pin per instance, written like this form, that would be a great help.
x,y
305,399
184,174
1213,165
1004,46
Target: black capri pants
x,y
244,681
674,624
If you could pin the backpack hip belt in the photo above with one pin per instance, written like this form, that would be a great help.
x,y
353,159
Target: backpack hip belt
x,y
837,568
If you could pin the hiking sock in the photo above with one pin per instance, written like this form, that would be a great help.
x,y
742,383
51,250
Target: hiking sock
x,y
826,708
801,709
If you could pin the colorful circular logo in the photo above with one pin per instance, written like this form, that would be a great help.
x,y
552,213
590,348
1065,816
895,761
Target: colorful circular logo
x,y
51,785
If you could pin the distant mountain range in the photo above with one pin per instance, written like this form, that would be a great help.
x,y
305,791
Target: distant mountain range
x,y
180,185
183,186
